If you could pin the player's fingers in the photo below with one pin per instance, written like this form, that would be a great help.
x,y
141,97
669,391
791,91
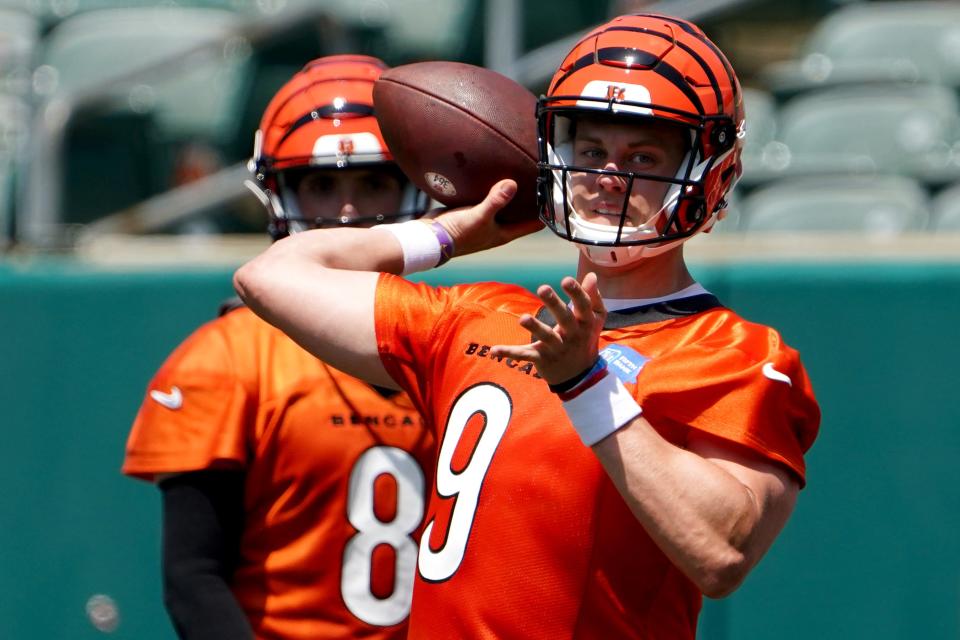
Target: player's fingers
x,y
498,197
556,306
525,352
541,331
591,287
582,305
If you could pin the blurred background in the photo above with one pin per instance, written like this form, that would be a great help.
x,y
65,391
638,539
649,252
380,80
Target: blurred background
x,y
125,127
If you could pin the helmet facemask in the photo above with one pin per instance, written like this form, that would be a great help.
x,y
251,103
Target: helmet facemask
x,y
276,185
279,194
631,234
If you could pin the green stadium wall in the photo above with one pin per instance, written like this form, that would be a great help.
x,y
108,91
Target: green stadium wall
x,y
872,551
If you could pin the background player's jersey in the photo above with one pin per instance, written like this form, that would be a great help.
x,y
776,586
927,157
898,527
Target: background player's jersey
x,y
334,483
526,536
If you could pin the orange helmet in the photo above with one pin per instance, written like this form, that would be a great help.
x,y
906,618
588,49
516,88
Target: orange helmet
x,y
322,118
643,68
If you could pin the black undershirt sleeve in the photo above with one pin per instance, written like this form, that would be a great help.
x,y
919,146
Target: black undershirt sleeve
x,y
202,522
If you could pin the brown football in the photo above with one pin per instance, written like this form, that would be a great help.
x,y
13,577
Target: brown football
x,y
456,129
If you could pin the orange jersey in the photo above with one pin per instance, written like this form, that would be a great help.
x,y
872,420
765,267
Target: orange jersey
x,y
334,489
526,535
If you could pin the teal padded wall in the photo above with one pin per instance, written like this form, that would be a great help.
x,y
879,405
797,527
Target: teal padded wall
x,y
873,549
871,552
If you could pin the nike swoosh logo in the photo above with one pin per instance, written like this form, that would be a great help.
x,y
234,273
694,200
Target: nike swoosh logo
x,y
770,372
172,400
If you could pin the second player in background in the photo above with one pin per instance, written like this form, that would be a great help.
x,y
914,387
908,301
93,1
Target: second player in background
x,y
293,494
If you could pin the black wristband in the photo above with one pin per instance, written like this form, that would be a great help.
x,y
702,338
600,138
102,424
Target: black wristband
x,y
566,385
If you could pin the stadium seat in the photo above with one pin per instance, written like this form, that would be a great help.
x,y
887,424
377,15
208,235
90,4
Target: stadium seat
x,y
121,144
761,118
196,96
763,155
132,117
402,29
910,130
14,124
19,32
945,210
876,206
876,42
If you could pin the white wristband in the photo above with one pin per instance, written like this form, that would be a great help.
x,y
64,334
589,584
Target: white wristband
x,y
421,247
602,409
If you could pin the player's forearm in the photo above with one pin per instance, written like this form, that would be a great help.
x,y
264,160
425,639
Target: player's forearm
x,y
700,516
204,608
351,249
203,520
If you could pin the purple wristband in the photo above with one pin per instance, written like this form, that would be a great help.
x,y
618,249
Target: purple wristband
x,y
446,242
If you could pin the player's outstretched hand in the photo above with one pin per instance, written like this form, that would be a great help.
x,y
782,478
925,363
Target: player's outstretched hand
x,y
569,348
474,228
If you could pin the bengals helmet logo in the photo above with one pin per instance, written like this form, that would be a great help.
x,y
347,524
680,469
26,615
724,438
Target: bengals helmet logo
x,y
345,147
615,93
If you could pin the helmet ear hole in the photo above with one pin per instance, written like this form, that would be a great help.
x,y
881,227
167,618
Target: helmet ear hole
x,y
695,213
722,137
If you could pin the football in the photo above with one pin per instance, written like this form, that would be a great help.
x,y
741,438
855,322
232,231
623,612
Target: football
x,y
456,129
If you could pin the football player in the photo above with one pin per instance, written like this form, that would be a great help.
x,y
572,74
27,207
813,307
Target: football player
x,y
293,493
603,463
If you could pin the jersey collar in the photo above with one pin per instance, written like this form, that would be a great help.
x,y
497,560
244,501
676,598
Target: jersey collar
x,y
676,305
660,311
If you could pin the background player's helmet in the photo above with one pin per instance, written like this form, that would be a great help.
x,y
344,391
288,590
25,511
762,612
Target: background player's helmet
x,y
323,119
634,69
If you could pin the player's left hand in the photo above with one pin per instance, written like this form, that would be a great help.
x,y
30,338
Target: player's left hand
x,y
561,352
